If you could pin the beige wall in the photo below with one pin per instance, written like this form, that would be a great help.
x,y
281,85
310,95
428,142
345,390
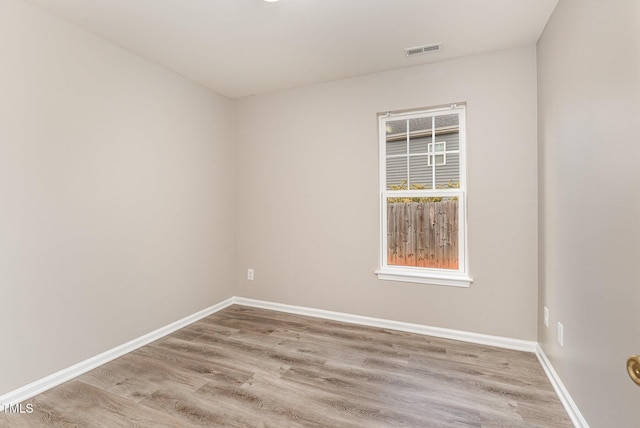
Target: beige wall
x,y
589,123
115,196
118,205
307,214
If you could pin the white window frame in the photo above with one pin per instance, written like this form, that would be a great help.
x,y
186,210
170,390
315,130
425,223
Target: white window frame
x,y
436,276
432,149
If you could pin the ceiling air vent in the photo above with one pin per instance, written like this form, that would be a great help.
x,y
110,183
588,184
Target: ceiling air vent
x,y
420,50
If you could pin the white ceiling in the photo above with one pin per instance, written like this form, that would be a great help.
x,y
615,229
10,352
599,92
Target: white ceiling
x,y
247,47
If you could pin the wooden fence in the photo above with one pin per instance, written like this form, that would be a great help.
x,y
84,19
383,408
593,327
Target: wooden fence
x,y
423,234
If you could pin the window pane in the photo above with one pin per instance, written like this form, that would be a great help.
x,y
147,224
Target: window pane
x,y
396,173
421,124
446,121
448,173
420,173
447,165
419,134
452,140
396,137
396,127
397,147
422,232
419,144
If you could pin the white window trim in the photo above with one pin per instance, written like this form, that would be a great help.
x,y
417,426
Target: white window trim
x,y
445,277
401,275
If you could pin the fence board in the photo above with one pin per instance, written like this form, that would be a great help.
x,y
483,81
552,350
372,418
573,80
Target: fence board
x,y
423,234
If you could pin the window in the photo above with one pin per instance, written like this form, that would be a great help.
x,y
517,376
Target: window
x,y
423,197
440,160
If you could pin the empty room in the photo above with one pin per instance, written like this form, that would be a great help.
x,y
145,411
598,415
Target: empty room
x,y
319,213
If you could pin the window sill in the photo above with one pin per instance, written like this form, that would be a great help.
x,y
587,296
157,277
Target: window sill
x,y
410,275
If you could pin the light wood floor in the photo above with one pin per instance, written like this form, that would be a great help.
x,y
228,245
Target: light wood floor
x,y
247,367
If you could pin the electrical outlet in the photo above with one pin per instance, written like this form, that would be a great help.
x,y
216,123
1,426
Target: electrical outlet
x,y
546,316
250,274
561,334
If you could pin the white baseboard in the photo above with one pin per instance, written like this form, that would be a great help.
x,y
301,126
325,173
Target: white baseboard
x,y
482,339
565,398
24,393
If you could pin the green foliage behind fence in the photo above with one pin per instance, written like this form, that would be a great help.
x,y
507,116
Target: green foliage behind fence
x,y
403,186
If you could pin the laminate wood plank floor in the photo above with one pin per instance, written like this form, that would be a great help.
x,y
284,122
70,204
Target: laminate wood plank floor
x,y
248,367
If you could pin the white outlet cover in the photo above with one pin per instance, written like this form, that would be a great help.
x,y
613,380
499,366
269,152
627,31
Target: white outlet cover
x,y
560,334
546,316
